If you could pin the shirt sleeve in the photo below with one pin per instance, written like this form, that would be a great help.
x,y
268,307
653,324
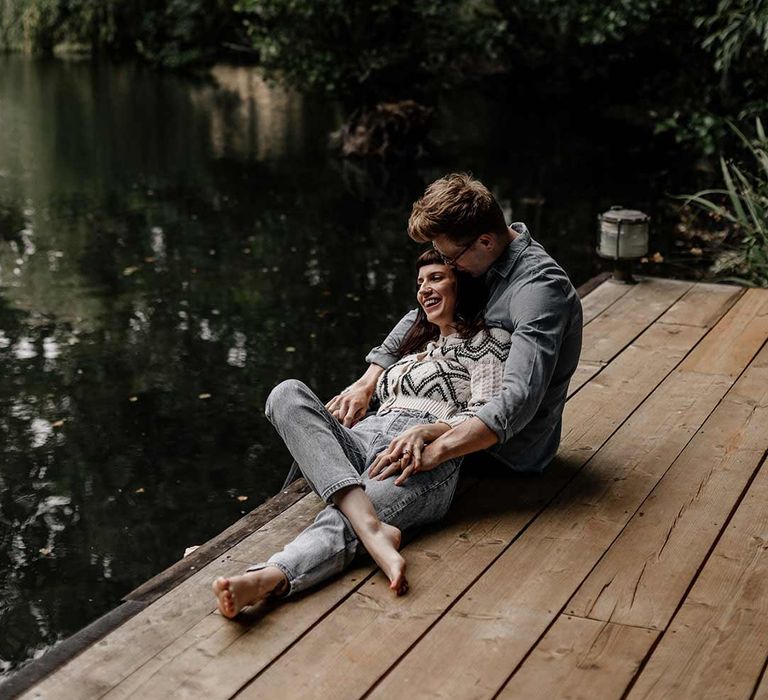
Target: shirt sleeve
x,y
485,383
541,314
385,355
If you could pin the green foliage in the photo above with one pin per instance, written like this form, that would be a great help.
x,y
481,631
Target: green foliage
x,y
373,50
737,29
744,203
169,33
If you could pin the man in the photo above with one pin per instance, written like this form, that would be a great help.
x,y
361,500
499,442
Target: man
x,y
529,295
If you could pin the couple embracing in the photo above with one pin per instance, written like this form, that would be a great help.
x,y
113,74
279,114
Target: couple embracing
x,y
482,363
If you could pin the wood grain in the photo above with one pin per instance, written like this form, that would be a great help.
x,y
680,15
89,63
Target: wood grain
x,y
704,305
581,659
644,575
717,643
608,334
601,298
735,339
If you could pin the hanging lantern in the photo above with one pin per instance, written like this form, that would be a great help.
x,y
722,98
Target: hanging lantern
x,y
622,237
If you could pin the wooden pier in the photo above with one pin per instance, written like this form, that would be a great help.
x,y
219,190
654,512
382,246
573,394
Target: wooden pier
x,y
635,567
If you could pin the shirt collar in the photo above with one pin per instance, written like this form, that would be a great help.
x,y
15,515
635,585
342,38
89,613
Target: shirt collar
x,y
503,266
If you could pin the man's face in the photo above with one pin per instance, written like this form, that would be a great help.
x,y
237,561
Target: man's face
x,y
472,258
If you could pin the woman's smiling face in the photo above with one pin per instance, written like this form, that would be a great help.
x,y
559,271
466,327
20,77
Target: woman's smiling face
x,y
437,293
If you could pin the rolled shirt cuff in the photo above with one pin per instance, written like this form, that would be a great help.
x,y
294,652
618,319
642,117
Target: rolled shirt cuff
x,y
380,357
495,423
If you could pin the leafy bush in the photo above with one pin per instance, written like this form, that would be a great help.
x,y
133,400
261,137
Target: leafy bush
x,y
744,204
368,51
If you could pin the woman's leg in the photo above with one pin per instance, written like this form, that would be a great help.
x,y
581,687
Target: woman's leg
x,y
331,457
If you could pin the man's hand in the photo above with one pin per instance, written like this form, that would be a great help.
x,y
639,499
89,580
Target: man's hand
x,y
350,406
470,436
408,452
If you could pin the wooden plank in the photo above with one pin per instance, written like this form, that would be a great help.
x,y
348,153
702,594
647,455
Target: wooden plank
x,y
494,625
717,643
646,363
644,575
601,298
620,324
584,372
704,305
743,328
581,660
591,284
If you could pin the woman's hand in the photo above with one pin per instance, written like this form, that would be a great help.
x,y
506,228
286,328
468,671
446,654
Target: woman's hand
x,y
404,453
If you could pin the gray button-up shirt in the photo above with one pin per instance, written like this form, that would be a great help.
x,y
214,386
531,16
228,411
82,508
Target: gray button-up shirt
x,y
531,297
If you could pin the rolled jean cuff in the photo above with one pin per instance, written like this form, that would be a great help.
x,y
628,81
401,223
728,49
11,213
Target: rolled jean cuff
x,y
349,481
288,575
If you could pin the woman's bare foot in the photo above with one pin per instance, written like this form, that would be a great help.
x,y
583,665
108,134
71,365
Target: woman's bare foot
x,y
236,592
382,541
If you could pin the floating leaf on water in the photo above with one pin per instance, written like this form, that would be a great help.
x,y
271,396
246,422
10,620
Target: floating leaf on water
x,y
139,490
242,498
203,396
129,271
290,348
247,251
58,423
150,260
45,551
697,251
133,398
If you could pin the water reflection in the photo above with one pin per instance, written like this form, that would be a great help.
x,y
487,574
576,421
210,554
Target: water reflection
x,y
169,251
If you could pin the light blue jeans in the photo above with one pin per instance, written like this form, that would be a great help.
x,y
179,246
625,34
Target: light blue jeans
x,y
332,457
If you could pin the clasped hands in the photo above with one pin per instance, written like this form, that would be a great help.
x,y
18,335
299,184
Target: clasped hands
x,y
408,453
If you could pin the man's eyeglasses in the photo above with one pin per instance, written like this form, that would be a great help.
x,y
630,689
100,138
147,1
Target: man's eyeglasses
x,y
452,260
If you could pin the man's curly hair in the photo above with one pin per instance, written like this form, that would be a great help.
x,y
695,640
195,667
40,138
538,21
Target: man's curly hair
x,y
456,206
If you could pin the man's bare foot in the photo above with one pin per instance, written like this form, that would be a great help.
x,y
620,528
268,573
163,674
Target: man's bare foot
x,y
382,541
236,592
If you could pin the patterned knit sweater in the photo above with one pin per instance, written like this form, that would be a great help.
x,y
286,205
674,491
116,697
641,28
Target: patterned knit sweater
x,y
451,378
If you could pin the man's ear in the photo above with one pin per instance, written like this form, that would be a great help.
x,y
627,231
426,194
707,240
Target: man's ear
x,y
487,241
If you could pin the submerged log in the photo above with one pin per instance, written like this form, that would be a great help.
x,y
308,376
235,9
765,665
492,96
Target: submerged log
x,y
389,130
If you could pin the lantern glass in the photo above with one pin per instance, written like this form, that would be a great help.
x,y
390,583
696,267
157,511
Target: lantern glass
x,y
623,234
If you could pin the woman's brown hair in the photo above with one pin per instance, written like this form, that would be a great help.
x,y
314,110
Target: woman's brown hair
x,y
471,296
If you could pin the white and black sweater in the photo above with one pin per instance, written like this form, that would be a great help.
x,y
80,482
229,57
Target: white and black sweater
x,y
451,378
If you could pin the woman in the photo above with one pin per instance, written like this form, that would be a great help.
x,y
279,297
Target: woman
x,y
450,365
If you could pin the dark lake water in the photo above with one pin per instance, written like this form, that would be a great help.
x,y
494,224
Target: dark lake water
x,y
172,248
